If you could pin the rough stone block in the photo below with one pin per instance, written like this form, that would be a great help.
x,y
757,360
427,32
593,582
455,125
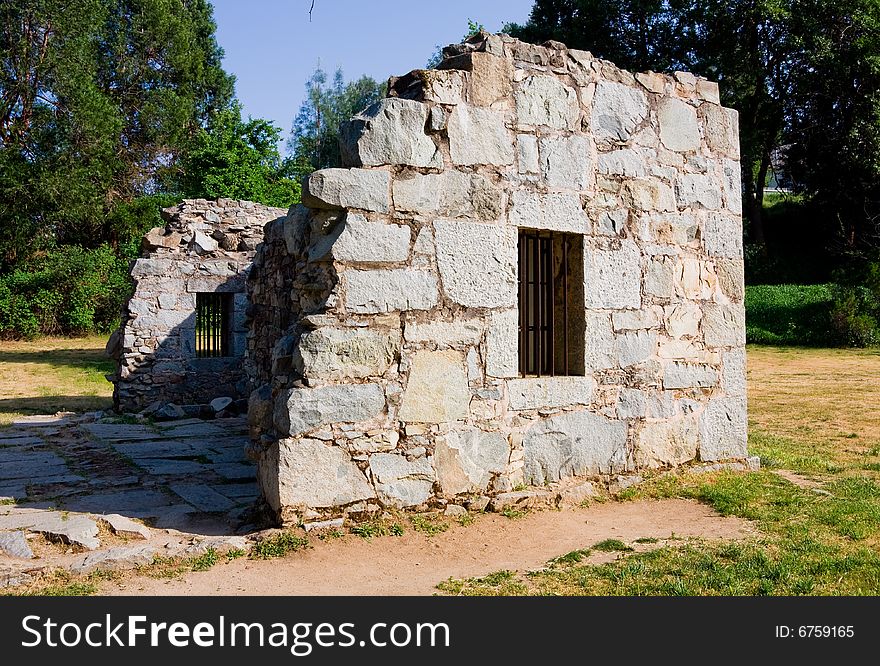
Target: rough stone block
x,y
573,444
624,162
733,372
695,279
336,354
730,278
723,429
466,459
550,392
490,78
363,241
443,86
722,129
631,403
613,278
437,389
527,153
635,320
566,162
723,236
400,482
502,352
660,276
445,334
618,110
477,263
369,292
391,131
732,186
648,194
689,375
451,194
612,222
335,189
599,348
724,325
478,136
555,211
299,410
693,189
667,443
312,474
634,347
682,319
545,100
679,127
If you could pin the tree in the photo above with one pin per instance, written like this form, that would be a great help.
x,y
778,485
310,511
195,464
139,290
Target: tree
x,y
97,100
239,160
314,140
833,138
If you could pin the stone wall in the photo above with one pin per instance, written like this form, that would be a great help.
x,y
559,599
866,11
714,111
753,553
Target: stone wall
x,y
206,246
394,380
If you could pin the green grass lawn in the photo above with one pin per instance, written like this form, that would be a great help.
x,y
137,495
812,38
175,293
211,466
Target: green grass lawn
x,y
48,375
789,314
811,411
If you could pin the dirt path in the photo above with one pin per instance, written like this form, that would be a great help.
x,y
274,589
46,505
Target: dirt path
x,y
413,564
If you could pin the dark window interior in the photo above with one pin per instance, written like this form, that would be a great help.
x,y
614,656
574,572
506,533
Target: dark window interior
x,y
551,303
213,323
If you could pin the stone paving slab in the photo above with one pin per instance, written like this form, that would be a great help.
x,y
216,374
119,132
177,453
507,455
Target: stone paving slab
x,y
203,497
54,480
20,440
33,469
14,544
236,471
189,475
238,491
207,430
158,449
171,467
227,455
125,527
125,502
114,432
41,420
16,491
121,557
70,528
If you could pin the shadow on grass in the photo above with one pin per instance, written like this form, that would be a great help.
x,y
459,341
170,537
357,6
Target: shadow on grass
x,y
81,359
50,404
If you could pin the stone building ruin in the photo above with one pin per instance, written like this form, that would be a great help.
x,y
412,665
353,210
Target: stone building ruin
x,y
529,269
196,265
415,350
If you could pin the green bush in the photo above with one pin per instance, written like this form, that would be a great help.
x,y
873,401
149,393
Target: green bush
x,y
790,314
855,315
66,291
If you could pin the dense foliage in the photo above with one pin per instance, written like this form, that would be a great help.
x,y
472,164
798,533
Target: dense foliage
x,y
239,160
110,109
97,98
70,290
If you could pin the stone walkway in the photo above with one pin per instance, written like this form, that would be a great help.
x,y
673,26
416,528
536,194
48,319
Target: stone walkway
x,y
94,484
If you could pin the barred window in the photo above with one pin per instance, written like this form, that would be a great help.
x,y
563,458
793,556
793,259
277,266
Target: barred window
x,y
213,323
551,303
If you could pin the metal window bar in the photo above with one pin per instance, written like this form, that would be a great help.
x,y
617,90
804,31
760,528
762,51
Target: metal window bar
x,y
212,325
543,289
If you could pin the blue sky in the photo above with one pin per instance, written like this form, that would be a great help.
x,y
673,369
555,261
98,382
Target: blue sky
x,y
272,48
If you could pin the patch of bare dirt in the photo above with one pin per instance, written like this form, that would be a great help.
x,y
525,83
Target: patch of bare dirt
x,y
797,479
413,564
